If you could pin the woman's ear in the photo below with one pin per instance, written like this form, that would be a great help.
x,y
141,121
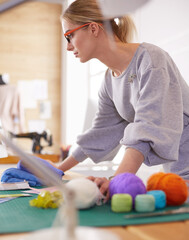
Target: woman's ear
x,y
94,27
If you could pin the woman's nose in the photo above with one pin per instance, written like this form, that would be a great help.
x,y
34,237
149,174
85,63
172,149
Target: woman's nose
x,y
70,47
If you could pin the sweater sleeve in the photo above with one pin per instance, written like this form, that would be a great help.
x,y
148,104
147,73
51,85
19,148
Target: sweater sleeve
x,y
158,123
102,141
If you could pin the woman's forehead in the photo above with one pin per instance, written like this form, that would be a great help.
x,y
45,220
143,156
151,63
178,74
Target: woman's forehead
x,y
66,25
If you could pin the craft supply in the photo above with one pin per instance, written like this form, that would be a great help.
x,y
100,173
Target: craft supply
x,y
14,186
127,183
87,194
153,181
47,199
121,202
12,175
161,213
172,184
15,195
160,198
39,190
2,200
144,203
21,166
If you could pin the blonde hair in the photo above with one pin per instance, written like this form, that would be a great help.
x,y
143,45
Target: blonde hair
x,y
86,11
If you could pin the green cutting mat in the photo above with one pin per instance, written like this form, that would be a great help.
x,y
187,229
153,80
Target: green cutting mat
x,y
17,216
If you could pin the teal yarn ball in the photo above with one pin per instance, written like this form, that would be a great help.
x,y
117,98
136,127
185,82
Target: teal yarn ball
x,y
160,198
121,202
144,203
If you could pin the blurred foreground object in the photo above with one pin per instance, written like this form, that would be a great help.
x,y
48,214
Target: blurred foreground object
x,y
47,199
118,8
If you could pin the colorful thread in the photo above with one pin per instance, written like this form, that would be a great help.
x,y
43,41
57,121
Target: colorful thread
x,y
172,184
127,183
160,198
121,203
144,203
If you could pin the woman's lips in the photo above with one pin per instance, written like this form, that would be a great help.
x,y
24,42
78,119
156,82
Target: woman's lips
x,y
76,54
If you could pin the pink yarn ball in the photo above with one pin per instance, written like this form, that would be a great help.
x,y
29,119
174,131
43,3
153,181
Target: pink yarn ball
x,y
127,183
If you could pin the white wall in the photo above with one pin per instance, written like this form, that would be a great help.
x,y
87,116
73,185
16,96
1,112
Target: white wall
x,y
75,89
166,24
77,95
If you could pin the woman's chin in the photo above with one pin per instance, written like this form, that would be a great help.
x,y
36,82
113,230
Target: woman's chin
x,y
83,60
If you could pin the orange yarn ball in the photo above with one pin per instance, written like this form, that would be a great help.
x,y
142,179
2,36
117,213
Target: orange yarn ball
x,y
172,184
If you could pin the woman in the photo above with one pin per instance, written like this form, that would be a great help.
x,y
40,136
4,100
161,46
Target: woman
x,y
143,101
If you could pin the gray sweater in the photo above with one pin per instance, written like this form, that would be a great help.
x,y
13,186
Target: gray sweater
x,y
146,108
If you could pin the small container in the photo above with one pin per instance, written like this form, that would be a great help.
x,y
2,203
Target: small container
x,y
160,198
144,203
121,202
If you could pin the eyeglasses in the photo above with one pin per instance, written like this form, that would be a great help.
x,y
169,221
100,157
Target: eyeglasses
x,y
68,35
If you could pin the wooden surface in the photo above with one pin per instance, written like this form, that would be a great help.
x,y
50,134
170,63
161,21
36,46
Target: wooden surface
x,y
161,231
15,159
30,49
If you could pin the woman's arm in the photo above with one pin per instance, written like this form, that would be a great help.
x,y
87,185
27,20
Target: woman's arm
x,y
68,163
131,162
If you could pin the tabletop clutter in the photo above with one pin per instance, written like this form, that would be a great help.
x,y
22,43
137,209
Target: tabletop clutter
x,y
127,191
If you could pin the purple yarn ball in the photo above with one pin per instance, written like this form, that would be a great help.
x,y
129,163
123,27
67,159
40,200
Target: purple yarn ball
x,y
127,183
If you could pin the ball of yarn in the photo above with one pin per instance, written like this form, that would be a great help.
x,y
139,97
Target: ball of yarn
x,y
160,198
87,194
127,183
154,180
144,203
172,184
121,203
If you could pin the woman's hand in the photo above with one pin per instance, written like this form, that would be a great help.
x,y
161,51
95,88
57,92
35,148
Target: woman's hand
x,y
103,185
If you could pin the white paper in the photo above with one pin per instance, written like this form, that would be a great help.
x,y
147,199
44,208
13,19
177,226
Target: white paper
x,y
31,91
14,186
27,90
36,126
2,200
41,89
45,110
